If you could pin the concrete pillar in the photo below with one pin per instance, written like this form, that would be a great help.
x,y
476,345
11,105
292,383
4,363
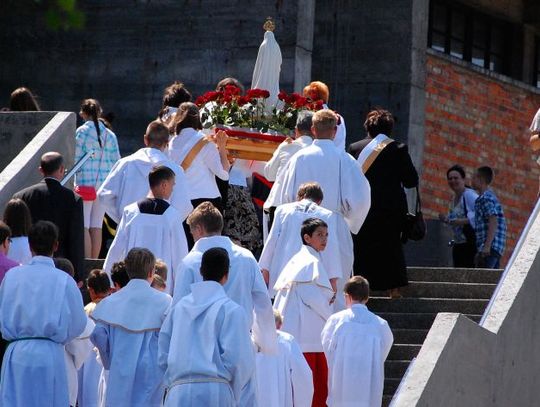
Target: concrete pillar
x,y
304,44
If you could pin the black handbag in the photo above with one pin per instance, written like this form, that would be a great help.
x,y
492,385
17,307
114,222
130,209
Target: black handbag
x,y
414,227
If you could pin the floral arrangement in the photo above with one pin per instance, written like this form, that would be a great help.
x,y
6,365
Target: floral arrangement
x,y
230,108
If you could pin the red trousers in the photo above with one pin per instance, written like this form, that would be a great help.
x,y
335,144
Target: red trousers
x,y
319,368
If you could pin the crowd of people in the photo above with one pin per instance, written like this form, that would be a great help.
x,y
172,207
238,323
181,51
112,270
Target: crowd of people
x,y
204,298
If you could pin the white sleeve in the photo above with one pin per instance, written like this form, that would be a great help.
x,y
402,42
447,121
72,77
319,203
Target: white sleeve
x,y
118,249
268,252
264,326
327,335
288,190
80,347
213,161
355,193
179,251
182,281
164,341
470,199
108,191
311,296
272,166
387,339
180,197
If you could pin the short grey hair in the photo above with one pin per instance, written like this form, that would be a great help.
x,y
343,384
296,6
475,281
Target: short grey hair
x,y
304,121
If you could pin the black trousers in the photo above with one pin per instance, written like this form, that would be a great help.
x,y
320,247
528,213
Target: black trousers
x,y
463,255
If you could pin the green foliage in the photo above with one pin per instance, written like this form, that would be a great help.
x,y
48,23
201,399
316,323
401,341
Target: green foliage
x,y
62,14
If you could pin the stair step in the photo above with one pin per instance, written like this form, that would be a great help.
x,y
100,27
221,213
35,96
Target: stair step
x,y
412,336
427,305
399,320
395,369
458,275
390,386
428,289
403,352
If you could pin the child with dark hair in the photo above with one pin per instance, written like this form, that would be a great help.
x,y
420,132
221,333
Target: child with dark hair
x,y
126,335
204,344
23,100
304,298
356,343
17,216
152,223
490,223
119,275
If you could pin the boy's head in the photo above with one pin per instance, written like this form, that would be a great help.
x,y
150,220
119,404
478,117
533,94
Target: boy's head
x,y
278,319
65,265
5,238
157,135
314,233
324,124
161,180
43,238
119,275
482,177
311,191
356,291
98,284
215,265
161,269
158,283
205,220
140,264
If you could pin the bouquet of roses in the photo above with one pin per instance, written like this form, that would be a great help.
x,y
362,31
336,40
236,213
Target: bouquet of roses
x,y
286,113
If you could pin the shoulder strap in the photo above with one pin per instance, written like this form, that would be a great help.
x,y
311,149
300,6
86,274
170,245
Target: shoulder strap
x,y
375,153
193,153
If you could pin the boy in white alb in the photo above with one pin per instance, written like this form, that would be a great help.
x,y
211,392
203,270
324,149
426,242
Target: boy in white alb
x,y
204,346
152,223
126,335
287,374
304,298
356,343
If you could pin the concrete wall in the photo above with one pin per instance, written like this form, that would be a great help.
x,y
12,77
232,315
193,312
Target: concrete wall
x,y
130,50
496,364
57,135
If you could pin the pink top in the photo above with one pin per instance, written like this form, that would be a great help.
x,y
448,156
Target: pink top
x,y
5,265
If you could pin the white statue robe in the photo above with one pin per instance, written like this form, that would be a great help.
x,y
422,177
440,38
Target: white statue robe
x,y
340,138
126,335
346,189
38,301
128,182
162,234
285,379
75,353
245,286
303,298
205,349
284,241
356,343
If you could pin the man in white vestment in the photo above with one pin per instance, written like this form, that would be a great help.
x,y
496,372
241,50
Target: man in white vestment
x,y
128,180
356,343
41,310
204,345
285,379
245,284
152,223
126,335
346,189
284,239
274,169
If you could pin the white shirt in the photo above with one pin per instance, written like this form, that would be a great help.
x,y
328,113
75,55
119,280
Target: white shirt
x,y
245,286
19,250
38,301
162,234
346,189
274,170
284,241
126,335
303,298
285,379
206,335
356,343
204,168
128,182
341,132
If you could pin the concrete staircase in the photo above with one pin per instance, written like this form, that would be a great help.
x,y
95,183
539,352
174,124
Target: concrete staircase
x,y
430,291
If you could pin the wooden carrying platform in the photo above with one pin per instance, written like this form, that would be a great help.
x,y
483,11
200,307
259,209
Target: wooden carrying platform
x,y
251,146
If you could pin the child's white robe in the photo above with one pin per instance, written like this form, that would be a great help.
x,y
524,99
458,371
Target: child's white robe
x,y
303,298
346,189
38,301
75,353
128,182
162,234
245,286
356,343
285,379
205,349
126,335
284,241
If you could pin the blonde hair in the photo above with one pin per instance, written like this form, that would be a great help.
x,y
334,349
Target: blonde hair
x,y
207,216
140,263
324,120
161,269
317,90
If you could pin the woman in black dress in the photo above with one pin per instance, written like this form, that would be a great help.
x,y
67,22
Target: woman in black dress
x,y
378,251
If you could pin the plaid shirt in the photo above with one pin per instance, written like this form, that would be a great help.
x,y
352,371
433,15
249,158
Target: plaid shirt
x,y
96,169
488,205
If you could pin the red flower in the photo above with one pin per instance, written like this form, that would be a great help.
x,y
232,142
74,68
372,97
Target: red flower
x,y
282,95
232,90
212,96
265,94
300,101
242,100
200,101
257,93
317,105
227,98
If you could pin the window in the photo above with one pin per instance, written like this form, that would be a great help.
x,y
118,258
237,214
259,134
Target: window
x,y
467,34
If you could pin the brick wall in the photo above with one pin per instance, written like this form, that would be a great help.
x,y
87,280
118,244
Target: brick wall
x,y
475,119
